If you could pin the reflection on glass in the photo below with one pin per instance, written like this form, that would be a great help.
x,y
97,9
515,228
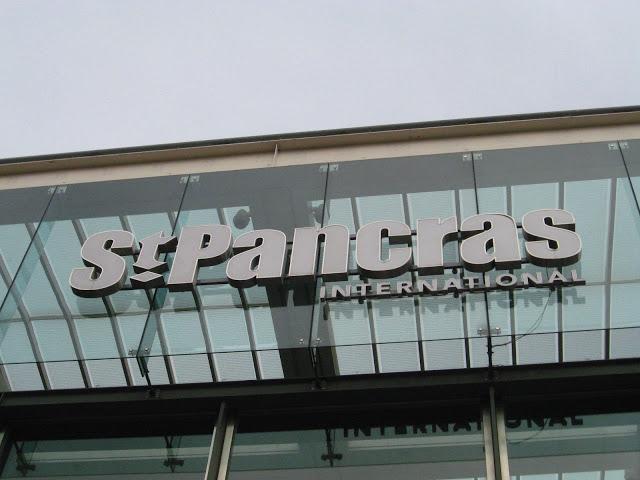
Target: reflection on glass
x,y
589,201
499,308
443,332
438,449
80,342
22,210
625,323
579,447
626,239
397,334
589,180
171,456
240,334
583,323
536,320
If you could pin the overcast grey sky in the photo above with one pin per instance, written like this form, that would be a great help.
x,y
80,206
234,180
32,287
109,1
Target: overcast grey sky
x,y
87,74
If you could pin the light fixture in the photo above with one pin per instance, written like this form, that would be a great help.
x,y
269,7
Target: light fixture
x,y
242,218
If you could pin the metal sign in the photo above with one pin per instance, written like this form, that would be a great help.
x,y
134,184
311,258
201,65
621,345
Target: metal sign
x,y
383,250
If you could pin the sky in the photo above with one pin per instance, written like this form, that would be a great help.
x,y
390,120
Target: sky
x,y
93,74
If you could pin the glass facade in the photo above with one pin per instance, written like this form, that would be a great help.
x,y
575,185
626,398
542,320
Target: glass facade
x,y
575,446
425,448
172,456
53,342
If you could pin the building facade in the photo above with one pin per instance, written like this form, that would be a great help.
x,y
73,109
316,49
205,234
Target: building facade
x,y
526,370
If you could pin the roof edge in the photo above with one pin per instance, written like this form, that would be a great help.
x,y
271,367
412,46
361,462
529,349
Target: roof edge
x,y
506,120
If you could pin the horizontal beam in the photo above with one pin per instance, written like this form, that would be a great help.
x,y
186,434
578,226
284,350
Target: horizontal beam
x,y
271,396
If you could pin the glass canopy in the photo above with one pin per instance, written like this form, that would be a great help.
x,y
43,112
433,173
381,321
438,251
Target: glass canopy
x,y
52,339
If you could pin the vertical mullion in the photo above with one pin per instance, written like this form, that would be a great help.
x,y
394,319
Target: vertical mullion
x,y
227,447
487,439
108,305
463,296
31,334
66,311
203,326
416,306
416,303
497,422
503,452
560,296
221,446
511,294
372,330
608,268
251,333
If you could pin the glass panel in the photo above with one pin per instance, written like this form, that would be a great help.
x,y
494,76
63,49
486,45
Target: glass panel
x,y
397,334
79,342
625,323
573,446
433,447
21,212
590,181
20,208
249,333
170,456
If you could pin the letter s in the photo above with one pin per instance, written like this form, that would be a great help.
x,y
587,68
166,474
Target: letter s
x,y
105,271
551,240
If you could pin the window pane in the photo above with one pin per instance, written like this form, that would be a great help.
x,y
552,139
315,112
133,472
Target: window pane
x,y
21,212
172,456
397,334
79,342
252,333
574,446
590,181
436,448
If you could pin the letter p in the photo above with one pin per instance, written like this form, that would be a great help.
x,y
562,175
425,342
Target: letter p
x,y
199,246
